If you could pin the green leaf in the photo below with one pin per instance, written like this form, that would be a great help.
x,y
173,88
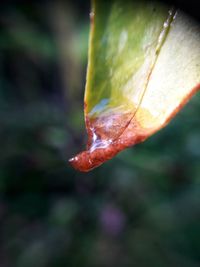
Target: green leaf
x,y
144,64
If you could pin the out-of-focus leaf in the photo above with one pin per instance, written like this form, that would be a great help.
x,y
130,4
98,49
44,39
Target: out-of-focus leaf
x,y
144,64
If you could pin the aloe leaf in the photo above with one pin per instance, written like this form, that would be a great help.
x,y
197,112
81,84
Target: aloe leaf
x,y
144,64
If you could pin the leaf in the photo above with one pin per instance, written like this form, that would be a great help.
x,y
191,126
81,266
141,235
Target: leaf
x,y
144,65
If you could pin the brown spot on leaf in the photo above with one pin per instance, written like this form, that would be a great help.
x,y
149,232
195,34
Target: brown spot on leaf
x,y
104,144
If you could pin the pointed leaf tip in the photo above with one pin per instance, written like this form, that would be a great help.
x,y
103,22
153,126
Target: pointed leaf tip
x,y
144,65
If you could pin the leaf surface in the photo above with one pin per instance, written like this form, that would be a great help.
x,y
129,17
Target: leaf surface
x,y
144,64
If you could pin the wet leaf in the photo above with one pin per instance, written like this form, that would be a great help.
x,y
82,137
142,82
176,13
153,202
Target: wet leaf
x,y
144,64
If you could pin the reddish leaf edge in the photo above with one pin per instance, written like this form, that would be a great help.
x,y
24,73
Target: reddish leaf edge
x,y
101,148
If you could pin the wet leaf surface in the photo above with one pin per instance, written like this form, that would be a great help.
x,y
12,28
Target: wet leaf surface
x,y
144,65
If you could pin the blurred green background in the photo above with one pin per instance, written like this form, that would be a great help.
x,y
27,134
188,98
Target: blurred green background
x,y
140,209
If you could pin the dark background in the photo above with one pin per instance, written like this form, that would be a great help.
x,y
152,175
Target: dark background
x,y
140,209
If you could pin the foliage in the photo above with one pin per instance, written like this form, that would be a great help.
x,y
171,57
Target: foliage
x,y
138,74
141,209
